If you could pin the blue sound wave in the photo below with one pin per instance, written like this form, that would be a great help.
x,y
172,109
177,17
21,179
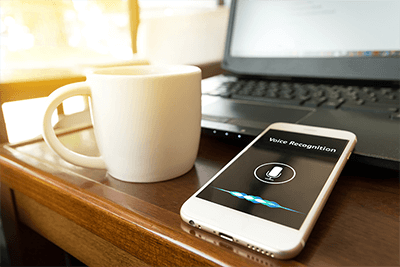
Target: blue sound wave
x,y
257,200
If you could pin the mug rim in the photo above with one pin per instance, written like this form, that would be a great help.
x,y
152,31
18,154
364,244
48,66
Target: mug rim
x,y
143,71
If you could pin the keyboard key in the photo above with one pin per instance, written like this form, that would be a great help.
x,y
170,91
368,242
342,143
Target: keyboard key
x,y
219,91
287,96
271,94
389,102
275,101
315,102
379,108
352,105
333,103
373,109
334,95
305,97
395,116
367,89
385,90
358,102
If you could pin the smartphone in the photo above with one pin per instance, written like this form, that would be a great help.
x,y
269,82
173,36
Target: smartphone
x,y
270,195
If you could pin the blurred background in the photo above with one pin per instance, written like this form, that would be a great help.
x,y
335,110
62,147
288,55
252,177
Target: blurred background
x,y
46,39
47,43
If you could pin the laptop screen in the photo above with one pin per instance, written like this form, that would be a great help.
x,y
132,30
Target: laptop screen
x,y
325,39
317,29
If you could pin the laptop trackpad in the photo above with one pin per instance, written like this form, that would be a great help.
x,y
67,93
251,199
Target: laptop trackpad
x,y
251,115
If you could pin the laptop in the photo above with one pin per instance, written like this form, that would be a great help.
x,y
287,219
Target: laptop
x,y
332,64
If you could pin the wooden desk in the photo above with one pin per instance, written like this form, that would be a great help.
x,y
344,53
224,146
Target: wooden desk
x,y
106,222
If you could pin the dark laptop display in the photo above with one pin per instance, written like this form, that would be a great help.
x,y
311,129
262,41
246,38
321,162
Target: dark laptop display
x,y
324,63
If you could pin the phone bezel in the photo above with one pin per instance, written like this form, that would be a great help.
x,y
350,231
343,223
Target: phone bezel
x,y
278,240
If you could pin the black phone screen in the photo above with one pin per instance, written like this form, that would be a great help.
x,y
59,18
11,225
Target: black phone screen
x,y
278,178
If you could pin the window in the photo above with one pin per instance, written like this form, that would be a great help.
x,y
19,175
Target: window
x,y
45,33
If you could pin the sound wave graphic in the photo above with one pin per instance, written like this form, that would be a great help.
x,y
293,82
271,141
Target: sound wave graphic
x,y
257,200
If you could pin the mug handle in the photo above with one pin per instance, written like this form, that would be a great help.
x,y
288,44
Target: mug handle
x,y
55,99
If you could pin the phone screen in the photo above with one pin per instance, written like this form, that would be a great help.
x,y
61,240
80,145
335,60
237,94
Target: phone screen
x,y
278,178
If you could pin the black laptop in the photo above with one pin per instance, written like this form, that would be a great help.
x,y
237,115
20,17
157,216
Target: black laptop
x,y
333,64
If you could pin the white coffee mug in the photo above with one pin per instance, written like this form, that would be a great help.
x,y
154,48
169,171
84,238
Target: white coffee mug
x,y
146,121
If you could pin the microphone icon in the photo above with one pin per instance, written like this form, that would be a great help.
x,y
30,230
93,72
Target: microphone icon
x,y
274,173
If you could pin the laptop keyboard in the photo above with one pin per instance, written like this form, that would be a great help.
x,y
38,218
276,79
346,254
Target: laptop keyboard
x,y
383,100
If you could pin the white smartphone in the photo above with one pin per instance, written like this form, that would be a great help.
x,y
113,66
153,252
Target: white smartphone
x,y
270,195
